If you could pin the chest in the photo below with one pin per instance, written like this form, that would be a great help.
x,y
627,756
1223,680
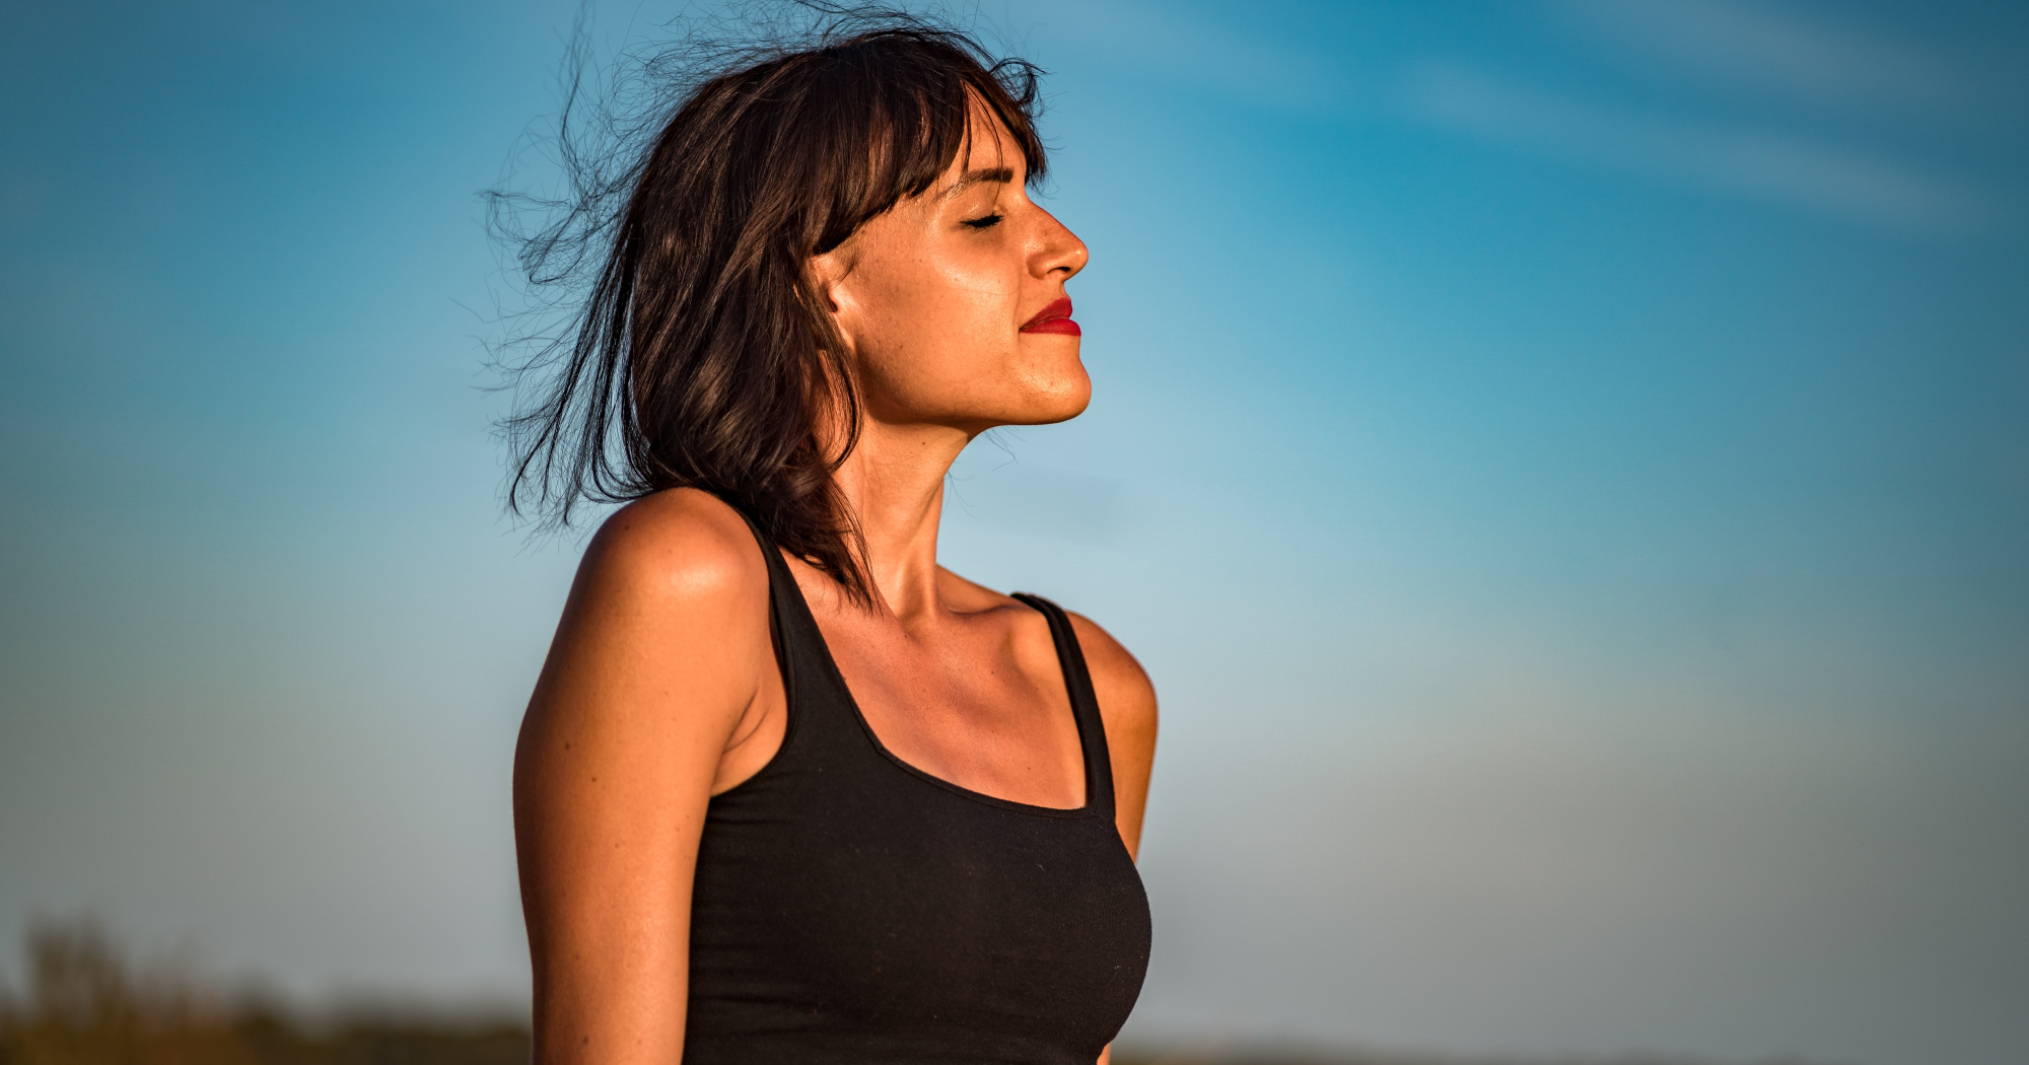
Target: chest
x,y
904,908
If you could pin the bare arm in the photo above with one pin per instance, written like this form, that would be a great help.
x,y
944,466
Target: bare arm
x,y
657,656
1127,706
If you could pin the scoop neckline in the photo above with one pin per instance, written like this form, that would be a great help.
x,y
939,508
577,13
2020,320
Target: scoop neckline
x,y
1088,809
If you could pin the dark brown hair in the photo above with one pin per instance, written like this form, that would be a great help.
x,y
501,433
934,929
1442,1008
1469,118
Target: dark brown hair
x,y
702,342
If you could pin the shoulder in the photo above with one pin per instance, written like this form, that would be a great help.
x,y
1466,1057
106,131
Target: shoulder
x,y
1124,689
672,591
1125,693
683,542
1127,711
668,610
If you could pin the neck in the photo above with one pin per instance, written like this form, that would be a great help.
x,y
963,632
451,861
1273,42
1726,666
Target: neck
x,y
893,484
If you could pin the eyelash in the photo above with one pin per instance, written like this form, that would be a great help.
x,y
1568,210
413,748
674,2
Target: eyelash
x,y
984,221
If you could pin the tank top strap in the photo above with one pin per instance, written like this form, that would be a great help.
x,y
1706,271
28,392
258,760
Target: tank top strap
x,y
1084,703
777,573
795,634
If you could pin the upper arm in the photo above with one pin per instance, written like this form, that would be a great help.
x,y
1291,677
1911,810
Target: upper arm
x,y
1127,706
657,656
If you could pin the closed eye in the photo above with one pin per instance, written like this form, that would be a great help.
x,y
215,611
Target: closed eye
x,y
983,221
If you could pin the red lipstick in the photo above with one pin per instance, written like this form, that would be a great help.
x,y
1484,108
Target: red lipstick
x,y
1054,318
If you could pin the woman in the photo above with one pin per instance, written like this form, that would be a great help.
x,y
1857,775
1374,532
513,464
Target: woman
x,y
826,801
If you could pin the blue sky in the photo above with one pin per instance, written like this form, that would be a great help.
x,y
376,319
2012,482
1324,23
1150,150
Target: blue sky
x,y
1562,463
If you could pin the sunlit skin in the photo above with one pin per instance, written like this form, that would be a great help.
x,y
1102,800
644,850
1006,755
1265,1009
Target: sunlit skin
x,y
625,740
931,296
956,678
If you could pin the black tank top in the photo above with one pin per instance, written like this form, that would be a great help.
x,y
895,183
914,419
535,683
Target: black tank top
x,y
852,909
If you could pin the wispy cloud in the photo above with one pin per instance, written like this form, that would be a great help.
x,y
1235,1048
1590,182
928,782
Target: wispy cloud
x,y
1742,160
1210,52
1820,60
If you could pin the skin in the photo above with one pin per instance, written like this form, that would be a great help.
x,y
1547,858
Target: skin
x,y
625,741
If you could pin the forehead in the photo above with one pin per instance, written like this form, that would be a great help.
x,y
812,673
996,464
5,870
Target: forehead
x,y
987,142
985,147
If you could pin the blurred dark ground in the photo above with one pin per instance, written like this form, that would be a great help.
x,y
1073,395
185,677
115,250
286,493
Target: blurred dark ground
x,y
85,1004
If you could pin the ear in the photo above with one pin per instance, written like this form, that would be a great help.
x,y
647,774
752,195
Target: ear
x,y
828,273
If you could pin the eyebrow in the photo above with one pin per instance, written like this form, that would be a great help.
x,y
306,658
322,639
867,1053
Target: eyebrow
x,y
973,177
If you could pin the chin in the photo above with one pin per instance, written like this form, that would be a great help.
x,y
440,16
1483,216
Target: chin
x,y
1062,404
1041,392
1041,407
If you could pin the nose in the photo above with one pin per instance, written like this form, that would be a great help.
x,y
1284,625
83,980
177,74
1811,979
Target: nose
x,y
1060,250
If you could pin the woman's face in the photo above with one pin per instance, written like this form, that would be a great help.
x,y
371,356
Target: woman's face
x,y
932,296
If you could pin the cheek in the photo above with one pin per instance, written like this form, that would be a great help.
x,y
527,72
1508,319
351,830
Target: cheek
x,y
949,316
935,328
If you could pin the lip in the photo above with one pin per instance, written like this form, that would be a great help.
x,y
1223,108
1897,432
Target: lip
x,y
1053,318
